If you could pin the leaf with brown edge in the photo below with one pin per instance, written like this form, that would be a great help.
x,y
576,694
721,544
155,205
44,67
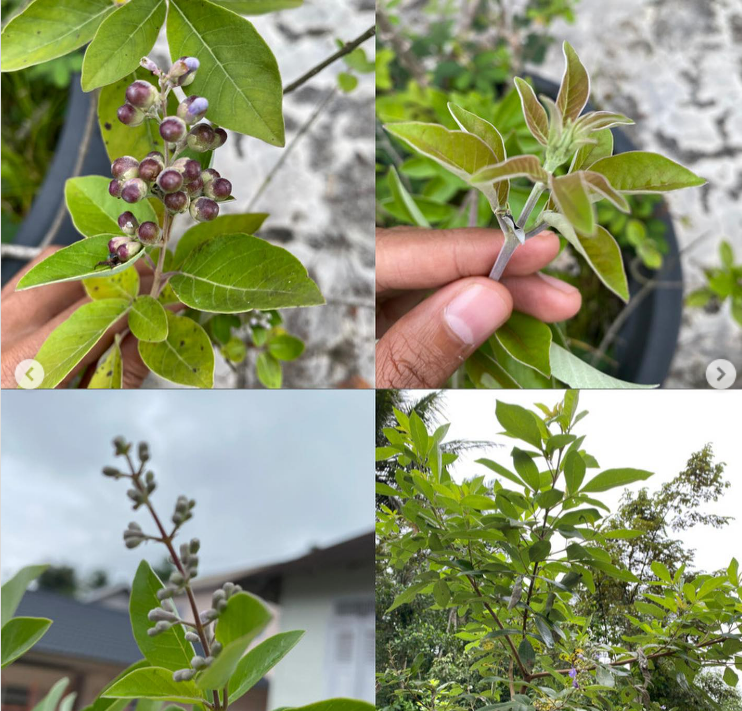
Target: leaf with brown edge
x,y
575,88
516,167
533,111
570,194
599,184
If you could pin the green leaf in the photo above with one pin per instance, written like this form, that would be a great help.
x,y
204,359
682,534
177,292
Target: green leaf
x,y
441,593
78,261
168,649
258,661
528,340
285,347
502,471
148,320
479,502
268,370
238,272
575,88
730,677
611,478
643,172
533,111
599,187
661,571
726,254
184,357
544,631
224,224
574,471
50,701
94,211
539,551
612,571
625,534
122,140
238,73
404,200
732,573
245,616
73,339
123,285
516,167
19,635
50,28
121,41
347,82
258,7
601,252
570,194
577,374
336,705
13,590
218,674
408,595
519,422
549,499
109,374
526,653
526,468
419,434
459,152
155,683
592,152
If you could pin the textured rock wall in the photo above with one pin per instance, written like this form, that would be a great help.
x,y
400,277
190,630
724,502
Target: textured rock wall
x,y
675,66
321,202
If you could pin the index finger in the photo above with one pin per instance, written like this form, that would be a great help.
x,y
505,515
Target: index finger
x,y
414,258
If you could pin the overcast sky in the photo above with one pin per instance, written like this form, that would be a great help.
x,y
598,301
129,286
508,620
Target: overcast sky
x,y
273,473
655,430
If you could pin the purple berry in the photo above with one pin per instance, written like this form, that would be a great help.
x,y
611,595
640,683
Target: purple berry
x,y
218,189
148,232
209,174
201,138
170,180
130,115
194,187
204,210
141,94
176,202
172,129
193,108
125,168
114,188
128,250
149,169
116,242
128,223
220,138
192,170
156,155
134,190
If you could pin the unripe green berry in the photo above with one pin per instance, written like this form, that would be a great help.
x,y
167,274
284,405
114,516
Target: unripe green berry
x,y
203,209
130,115
134,190
172,129
200,138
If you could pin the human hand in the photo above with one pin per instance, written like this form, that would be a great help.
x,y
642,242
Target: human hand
x,y
28,317
422,341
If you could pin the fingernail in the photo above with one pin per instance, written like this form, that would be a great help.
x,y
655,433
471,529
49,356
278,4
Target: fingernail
x,y
474,314
558,284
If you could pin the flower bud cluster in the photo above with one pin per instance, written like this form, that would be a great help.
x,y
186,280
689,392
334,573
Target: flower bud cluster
x,y
133,535
178,580
164,618
183,507
219,602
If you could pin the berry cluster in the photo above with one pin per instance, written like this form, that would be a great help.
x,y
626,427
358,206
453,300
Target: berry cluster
x,y
179,182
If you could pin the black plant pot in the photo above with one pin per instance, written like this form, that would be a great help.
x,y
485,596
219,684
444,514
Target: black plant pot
x,y
646,342
51,195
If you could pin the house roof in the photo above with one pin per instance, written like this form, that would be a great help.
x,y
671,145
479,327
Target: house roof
x,y
265,581
85,631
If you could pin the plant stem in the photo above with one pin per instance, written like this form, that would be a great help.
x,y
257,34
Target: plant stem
x,y
347,48
166,227
508,247
536,193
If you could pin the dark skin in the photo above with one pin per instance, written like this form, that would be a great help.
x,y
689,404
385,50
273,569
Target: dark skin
x,y
424,338
28,317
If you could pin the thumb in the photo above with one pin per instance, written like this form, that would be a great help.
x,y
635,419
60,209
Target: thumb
x,y
426,346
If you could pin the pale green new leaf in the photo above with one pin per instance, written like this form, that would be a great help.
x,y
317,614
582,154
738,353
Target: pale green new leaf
x,y
19,635
404,199
122,285
269,371
246,616
121,41
13,590
336,705
184,357
534,113
80,260
155,683
577,374
194,237
95,211
147,319
169,649
599,184
459,152
238,272
593,152
570,194
260,660
218,674
528,340
575,88
109,374
643,172
73,339
258,7
601,252
50,28
611,478
50,701
238,73
516,167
